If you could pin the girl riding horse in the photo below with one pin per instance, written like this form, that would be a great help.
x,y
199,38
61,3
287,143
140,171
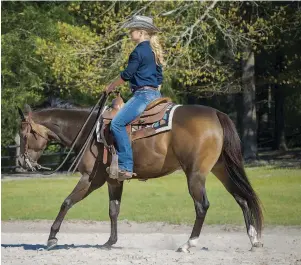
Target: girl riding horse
x,y
144,73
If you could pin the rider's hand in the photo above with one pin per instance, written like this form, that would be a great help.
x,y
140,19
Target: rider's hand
x,y
109,89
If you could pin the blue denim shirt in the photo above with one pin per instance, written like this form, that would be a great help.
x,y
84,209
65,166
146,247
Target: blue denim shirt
x,y
142,69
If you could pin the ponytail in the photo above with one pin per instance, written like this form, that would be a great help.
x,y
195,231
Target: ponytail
x,y
157,49
156,46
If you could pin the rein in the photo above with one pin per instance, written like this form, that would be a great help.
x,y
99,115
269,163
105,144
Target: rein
x,y
102,106
101,102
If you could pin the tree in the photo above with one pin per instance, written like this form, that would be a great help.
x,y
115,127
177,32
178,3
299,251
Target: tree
x,y
279,62
24,75
73,49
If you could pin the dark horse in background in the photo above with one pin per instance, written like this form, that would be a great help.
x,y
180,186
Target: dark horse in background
x,y
202,140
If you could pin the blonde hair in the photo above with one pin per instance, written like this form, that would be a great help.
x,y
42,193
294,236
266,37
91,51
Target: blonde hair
x,y
156,47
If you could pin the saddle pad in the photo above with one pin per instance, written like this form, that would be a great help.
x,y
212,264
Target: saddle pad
x,y
165,124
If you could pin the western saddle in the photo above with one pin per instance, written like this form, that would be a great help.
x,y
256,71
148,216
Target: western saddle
x,y
154,112
138,128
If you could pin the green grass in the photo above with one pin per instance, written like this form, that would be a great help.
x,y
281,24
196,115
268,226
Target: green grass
x,y
165,199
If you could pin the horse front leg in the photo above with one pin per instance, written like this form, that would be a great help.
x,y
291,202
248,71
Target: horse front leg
x,y
83,188
115,194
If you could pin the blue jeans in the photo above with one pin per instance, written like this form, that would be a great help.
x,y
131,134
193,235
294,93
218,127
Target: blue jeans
x,y
130,111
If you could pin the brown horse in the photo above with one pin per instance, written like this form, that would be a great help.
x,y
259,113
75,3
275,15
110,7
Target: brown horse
x,y
202,140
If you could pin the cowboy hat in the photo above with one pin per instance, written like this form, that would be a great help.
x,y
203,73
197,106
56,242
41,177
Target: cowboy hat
x,y
141,22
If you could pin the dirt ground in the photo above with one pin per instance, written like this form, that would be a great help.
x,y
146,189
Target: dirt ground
x,y
24,242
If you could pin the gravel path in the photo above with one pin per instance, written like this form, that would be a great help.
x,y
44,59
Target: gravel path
x,y
23,242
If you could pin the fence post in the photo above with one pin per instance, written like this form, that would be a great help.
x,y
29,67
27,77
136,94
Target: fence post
x,y
17,141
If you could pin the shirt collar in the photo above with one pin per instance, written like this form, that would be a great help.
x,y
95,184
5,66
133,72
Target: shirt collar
x,y
144,42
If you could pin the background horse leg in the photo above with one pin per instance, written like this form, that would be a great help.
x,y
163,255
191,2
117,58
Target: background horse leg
x,y
115,194
244,200
83,188
196,186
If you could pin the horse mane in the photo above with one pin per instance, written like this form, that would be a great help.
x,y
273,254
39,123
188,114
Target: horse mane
x,y
56,103
53,105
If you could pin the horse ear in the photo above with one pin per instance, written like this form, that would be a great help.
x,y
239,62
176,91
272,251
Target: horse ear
x,y
27,110
21,114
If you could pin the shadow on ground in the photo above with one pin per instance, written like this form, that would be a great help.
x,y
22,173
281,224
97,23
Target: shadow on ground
x,y
39,247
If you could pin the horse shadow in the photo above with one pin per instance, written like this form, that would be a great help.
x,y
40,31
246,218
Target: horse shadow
x,y
40,247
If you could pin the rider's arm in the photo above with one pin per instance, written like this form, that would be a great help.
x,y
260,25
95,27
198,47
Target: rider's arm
x,y
128,73
133,64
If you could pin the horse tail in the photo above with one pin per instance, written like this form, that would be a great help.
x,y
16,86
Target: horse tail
x,y
238,182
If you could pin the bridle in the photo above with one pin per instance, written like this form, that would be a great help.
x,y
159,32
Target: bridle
x,y
33,165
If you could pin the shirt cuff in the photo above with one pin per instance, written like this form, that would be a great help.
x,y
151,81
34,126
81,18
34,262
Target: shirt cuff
x,y
123,76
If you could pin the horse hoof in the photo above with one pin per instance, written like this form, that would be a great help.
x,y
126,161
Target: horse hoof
x,y
51,243
183,250
257,245
106,246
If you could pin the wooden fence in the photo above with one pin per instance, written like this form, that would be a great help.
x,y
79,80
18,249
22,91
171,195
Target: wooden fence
x,y
9,163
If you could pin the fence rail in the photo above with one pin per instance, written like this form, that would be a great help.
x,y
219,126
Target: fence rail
x,y
9,162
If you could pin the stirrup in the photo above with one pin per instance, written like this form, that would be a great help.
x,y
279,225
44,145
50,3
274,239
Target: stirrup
x,y
124,175
121,174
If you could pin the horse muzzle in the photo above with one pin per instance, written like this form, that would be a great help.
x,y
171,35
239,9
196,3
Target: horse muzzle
x,y
25,163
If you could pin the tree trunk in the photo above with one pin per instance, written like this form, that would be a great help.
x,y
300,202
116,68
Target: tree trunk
x,y
249,119
239,113
270,114
280,141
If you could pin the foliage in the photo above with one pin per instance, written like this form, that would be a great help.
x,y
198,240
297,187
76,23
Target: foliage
x,y
25,77
74,49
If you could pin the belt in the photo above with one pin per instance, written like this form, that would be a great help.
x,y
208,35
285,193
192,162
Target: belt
x,y
147,87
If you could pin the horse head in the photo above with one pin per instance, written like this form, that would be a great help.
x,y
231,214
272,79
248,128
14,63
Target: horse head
x,y
34,138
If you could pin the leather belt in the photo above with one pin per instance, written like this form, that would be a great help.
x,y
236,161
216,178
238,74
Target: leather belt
x,y
147,87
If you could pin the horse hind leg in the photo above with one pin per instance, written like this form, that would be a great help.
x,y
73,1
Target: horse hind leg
x,y
196,186
243,200
252,233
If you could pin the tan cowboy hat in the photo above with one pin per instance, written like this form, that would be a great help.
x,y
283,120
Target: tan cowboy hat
x,y
141,22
